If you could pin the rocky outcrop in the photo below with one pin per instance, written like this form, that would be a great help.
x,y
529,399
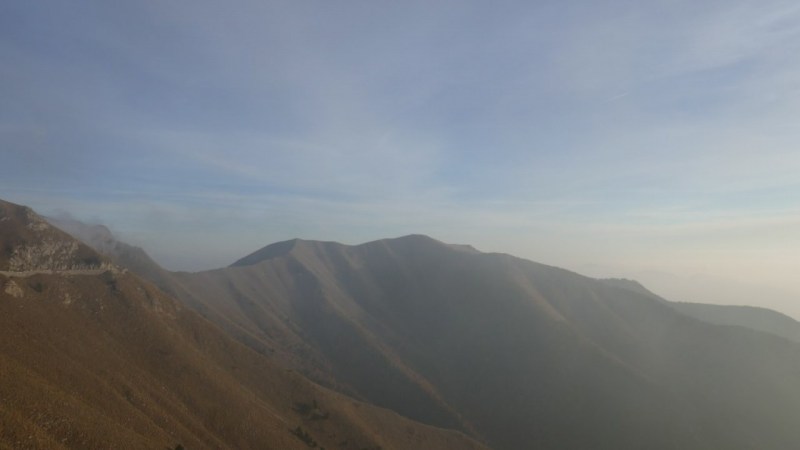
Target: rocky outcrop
x,y
29,244
51,254
11,288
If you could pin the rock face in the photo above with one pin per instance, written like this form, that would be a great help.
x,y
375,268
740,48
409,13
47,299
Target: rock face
x,y
29,244
11,288
46,255
121,254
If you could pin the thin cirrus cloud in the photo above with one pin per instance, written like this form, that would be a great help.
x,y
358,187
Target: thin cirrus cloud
x,y
566,132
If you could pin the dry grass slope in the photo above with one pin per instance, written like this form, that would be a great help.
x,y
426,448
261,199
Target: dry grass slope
x,y
110,361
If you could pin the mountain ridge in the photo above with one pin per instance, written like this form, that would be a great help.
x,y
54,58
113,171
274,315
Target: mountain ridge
x,y
752,317
284,248
108,360
453,338
405,302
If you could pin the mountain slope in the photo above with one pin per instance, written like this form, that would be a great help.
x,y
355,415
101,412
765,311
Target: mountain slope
x,y
520,353
760,319
755,318
100,238
98,358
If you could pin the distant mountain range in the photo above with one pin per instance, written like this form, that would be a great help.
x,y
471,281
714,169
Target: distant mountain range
x,y
755,318
387,344
705,288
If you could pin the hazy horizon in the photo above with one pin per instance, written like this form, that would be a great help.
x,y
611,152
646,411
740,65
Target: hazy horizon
x,y
622,137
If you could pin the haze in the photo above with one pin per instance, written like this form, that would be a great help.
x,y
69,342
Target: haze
x,y
611,138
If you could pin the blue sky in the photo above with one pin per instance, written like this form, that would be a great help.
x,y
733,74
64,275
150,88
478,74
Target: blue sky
x,y
657,135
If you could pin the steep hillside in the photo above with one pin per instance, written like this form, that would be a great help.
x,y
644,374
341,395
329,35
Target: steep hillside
x,y
100,238
98,358
523,354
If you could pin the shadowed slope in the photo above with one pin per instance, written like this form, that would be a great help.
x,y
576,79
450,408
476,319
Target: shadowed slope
x,y
523,354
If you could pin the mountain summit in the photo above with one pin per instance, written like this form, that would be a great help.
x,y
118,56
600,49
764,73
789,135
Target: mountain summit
x,y
298,246
278,249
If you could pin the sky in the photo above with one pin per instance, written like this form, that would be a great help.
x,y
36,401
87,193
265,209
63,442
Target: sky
x,y
614,138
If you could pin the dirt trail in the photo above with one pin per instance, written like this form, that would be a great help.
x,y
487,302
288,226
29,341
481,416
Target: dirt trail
x,y
28,273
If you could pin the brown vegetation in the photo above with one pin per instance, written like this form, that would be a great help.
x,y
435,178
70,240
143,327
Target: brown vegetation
x,y
110,361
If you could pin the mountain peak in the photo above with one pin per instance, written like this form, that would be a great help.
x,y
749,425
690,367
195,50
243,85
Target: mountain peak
x,y
425,241
275,250
415,240
415,237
